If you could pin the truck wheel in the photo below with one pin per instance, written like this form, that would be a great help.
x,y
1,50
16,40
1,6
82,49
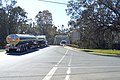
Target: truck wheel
x,y
21,49
7,51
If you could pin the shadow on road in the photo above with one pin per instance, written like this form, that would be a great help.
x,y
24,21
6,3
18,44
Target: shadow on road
x,y
108,55
25,52
86,51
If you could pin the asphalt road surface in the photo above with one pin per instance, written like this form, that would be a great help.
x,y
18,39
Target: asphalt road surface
x,y
58,63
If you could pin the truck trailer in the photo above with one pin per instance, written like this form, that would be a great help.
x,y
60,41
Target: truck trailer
x,y
20,42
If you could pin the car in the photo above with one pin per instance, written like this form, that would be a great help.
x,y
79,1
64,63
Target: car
x,y
63,43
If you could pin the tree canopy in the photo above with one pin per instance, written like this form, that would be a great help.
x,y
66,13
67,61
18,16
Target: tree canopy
x,y
11,17
45,25
98,21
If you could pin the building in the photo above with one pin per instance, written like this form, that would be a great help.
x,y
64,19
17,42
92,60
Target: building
x,y
75,36
59,38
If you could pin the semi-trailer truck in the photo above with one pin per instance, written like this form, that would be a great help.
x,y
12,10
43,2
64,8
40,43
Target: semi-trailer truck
x,y
20,42
42,41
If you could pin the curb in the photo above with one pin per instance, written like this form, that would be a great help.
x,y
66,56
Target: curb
x,y
110,55
102,54
94,53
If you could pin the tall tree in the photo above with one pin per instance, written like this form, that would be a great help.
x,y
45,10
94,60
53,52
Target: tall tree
x,y
44,25
44,20
11,17
96,18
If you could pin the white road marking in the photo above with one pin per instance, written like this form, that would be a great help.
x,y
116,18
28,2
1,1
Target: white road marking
x,y
71,48
92,67
67,77
50,74
62,58
53,70
69,69
69,64
68,74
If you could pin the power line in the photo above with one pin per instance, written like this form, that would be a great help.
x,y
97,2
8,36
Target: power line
x,y
53,2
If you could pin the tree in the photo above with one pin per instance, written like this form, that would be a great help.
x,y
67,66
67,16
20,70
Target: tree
x,y
44,25
62,30
44,20
11,17
17,17
99,19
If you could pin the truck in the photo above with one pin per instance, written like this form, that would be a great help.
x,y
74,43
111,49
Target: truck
x,y
42,41
20,42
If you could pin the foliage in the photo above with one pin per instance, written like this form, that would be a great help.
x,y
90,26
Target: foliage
x,y
11,17
62,30
44,20
13,20
45,26
97,20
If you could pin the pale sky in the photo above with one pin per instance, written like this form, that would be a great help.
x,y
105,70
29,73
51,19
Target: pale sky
x,y
32,7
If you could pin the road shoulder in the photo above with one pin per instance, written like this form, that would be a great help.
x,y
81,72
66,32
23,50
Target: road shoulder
x,y
94,53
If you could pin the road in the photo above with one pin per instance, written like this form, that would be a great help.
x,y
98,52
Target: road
x,y
59,63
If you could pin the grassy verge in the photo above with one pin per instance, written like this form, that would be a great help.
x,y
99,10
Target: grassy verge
x,y
102,51
106,51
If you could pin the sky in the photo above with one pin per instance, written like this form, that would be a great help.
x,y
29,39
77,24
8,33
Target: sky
x,y
32,7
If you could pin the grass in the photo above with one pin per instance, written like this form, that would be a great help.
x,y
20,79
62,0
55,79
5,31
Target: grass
x,y
106,51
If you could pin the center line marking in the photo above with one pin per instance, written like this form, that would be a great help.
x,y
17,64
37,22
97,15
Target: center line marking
x,y
69,69
68,74
53,70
